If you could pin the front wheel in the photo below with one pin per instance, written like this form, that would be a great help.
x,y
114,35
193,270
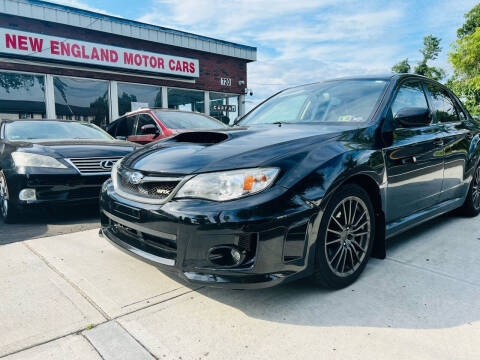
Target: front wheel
x,y
345,238
471,207
7,212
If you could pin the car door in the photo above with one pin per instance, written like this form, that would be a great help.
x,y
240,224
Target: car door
x,y
414,161
457,140
145,138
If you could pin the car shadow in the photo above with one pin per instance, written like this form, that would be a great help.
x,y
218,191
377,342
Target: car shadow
x,y
50,221
389,294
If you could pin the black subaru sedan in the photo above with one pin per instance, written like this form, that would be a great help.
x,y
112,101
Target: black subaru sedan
x,y
309,183
46,162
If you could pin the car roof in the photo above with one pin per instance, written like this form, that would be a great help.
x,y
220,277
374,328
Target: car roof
x,y
43,120
163,110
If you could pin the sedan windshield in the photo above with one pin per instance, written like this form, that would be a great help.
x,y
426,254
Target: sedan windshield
x,y
53,130
186,120
337,102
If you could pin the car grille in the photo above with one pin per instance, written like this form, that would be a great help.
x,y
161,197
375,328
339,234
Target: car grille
x,y
156,189
94,165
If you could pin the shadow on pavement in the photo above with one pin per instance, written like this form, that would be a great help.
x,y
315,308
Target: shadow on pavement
x,y
49,222
388,294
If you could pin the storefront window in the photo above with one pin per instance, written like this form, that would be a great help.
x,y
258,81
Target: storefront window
x,y
224,107
22,96
187,100
133,96
81,99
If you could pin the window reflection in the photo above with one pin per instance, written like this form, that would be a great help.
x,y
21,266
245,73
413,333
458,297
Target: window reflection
x,y
22,96
228,111
134,96
81,99
187,100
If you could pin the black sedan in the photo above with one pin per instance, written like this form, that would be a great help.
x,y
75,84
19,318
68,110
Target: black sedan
x,y
310,183
53,162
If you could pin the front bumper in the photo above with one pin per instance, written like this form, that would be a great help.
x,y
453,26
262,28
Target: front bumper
x,y
178,236
51,187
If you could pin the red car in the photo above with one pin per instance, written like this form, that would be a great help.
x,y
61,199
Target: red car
x,y
146,125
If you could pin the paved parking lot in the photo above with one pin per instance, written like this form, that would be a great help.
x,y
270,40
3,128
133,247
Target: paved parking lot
x,y
74,296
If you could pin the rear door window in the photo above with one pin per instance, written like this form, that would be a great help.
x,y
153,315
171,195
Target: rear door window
x,y
443,106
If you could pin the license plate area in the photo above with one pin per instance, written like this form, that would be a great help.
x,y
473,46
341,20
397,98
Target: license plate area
x,y
129,211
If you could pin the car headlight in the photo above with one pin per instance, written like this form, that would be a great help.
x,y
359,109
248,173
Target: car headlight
x,y
23,159
114,173
228,185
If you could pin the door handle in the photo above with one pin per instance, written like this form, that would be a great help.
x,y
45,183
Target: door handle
x,y
438,142
409,160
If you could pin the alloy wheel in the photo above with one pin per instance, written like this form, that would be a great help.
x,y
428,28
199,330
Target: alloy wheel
x,y
348,236
476,189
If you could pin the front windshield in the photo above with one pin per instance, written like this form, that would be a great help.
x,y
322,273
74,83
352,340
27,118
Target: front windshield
x,y
188,120
53,130
338,102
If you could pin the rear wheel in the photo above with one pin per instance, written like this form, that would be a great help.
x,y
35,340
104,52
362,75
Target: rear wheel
x,y
8,213
345,237
471,207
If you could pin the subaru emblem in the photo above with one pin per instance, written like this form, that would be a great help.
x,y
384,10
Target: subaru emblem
x,y
135,178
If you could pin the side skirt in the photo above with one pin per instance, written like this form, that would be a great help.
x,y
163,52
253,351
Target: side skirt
x,y
408,222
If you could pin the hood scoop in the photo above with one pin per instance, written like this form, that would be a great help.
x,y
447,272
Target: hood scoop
x,y
201,137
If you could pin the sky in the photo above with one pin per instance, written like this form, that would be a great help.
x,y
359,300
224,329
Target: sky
x,y
304,41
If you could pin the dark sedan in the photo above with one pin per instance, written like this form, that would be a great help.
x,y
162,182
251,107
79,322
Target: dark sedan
x,y
310,183
53,161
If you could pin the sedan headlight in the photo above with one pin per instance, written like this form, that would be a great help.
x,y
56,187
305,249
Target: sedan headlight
x,y
23,159
228,185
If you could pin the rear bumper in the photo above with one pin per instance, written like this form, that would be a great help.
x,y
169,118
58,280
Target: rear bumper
x,y
178,236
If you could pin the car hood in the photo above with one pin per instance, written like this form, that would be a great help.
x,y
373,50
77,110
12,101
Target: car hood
x,y
77,148
203,151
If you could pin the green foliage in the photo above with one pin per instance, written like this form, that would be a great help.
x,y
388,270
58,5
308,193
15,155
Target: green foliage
x,y
465,59
472,22
402,67
431,49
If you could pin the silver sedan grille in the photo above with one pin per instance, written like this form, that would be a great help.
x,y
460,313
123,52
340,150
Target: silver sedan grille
x,y
94,165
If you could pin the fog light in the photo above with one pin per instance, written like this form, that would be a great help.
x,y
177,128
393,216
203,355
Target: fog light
x,y
226,256
236,256
27,194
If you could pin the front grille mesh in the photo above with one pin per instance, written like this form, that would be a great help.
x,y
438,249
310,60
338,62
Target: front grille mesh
x,y
94,165
155,190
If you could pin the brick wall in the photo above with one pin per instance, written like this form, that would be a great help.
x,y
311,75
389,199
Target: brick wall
x,y
212,66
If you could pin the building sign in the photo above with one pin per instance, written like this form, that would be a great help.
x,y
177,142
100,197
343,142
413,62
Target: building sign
x,y
225,81
227,108
41,46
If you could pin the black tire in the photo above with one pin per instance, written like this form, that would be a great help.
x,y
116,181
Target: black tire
x,y
334,245
471,207
8,212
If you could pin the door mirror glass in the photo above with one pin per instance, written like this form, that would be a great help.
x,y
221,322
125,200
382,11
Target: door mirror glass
x,y
120,138
149,129
411,117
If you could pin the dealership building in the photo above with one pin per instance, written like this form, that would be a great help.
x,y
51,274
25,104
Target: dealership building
x,y
62,62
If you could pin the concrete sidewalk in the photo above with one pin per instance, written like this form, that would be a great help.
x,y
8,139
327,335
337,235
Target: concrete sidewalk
x,y
76,297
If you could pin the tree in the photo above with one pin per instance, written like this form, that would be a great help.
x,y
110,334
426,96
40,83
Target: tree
x,y
431,49
472,22
403,67
465,59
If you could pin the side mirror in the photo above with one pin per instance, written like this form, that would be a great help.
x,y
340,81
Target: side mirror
x,y
149,130
476,117
412,117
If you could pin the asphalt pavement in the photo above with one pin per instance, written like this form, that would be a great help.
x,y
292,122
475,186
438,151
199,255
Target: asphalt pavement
x,y
74,296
